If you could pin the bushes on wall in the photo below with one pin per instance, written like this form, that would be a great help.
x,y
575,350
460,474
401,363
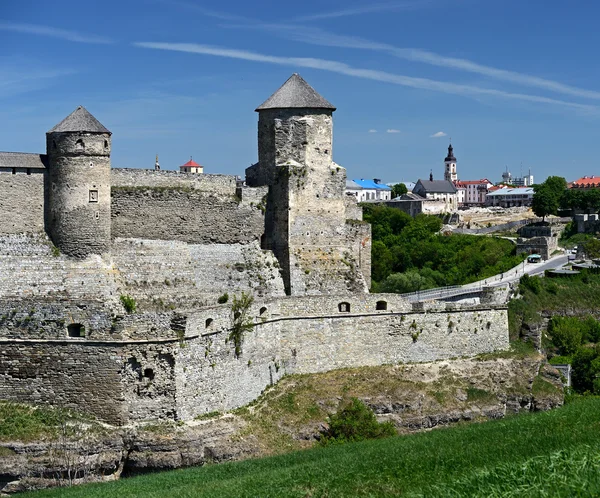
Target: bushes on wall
x,y
241,321
128,303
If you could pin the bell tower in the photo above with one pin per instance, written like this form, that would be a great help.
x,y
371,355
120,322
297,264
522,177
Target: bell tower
x,y
450,166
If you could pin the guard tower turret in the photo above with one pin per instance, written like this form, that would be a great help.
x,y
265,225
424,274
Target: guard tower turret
x,y
78,185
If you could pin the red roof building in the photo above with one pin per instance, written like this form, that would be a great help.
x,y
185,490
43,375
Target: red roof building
x,y
191,167
586,182
472,192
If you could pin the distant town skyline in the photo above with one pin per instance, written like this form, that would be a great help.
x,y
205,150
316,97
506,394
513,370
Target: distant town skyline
x,y
510,82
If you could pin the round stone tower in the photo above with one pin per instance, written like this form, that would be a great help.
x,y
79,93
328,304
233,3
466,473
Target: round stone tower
x,y
78,185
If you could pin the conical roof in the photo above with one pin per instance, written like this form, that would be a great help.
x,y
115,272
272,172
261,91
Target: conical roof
x,y
79,120
295,93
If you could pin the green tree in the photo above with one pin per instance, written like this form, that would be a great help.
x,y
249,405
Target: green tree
x,y
548,195
566,334
592,248
398,190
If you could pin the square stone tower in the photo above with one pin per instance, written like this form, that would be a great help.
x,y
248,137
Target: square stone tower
x,y
305,220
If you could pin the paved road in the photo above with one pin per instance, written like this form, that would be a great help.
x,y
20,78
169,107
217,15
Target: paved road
x,y
510,276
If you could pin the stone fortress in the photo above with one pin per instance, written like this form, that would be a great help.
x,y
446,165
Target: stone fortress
x,y
77,239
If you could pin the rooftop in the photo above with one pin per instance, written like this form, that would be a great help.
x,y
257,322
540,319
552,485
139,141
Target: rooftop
x,y
371,184
511,191
295,93
438,186
79,120
192,164
22,160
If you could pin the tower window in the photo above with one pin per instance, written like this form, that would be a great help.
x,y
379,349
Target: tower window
x,y
79,145
93,196
76,330
344,307
53,144
106,144
381,305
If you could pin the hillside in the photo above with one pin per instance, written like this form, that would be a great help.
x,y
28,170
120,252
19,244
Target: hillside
x,y
553,453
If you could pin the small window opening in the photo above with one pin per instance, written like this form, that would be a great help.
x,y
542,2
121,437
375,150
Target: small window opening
x,y
208,322
29,171
76,330
79,145
149,373
106,144
14,171
344,307
53,144
262,311
381,305
93,196
97,215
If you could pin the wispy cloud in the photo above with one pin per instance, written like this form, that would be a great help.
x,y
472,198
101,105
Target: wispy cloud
x,y
316,36
18,76
366,9
439,134
392,130
204,11
343,68
36,29
372,131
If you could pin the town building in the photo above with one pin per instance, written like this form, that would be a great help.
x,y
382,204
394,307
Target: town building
x,y
368,190
472,192
442,191
510,197
586,182
524,181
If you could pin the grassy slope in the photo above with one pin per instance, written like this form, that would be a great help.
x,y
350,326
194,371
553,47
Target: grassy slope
x,y
446,462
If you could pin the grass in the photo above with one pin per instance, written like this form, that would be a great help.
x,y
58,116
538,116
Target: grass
x,y
19,422
544,454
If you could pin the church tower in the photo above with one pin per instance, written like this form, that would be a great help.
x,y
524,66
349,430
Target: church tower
x,y
450,163
305,218
77,187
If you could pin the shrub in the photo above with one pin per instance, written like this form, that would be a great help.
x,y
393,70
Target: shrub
x,y
355,422
241,321
223,299
128,303
534,284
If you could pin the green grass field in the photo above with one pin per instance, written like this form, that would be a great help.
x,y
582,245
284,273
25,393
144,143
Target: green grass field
x,y
554,453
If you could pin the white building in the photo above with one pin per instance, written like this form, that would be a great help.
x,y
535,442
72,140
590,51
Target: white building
x,y
510,197
191,167
450,173
368,190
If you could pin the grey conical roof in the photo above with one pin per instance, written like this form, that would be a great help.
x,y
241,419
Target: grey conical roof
x,y
79,120
295,93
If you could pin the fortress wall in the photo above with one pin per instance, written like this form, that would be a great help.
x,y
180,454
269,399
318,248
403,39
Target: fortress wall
x,y
22,202
31,268
82,377
214,184
163,275
210,377
183,212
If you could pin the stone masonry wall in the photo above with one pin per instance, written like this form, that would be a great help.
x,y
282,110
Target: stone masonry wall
x,y
22,203
210,377
184,214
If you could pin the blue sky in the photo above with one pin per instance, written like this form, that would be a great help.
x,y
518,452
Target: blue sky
x,y
512,82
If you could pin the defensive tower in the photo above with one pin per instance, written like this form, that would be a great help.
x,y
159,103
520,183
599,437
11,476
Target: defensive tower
x,y
305,212
78,185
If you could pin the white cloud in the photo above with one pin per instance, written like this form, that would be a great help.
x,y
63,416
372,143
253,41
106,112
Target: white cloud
x,y
371,74
365,9
372,131
316,36
392,130
439,134
35,29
